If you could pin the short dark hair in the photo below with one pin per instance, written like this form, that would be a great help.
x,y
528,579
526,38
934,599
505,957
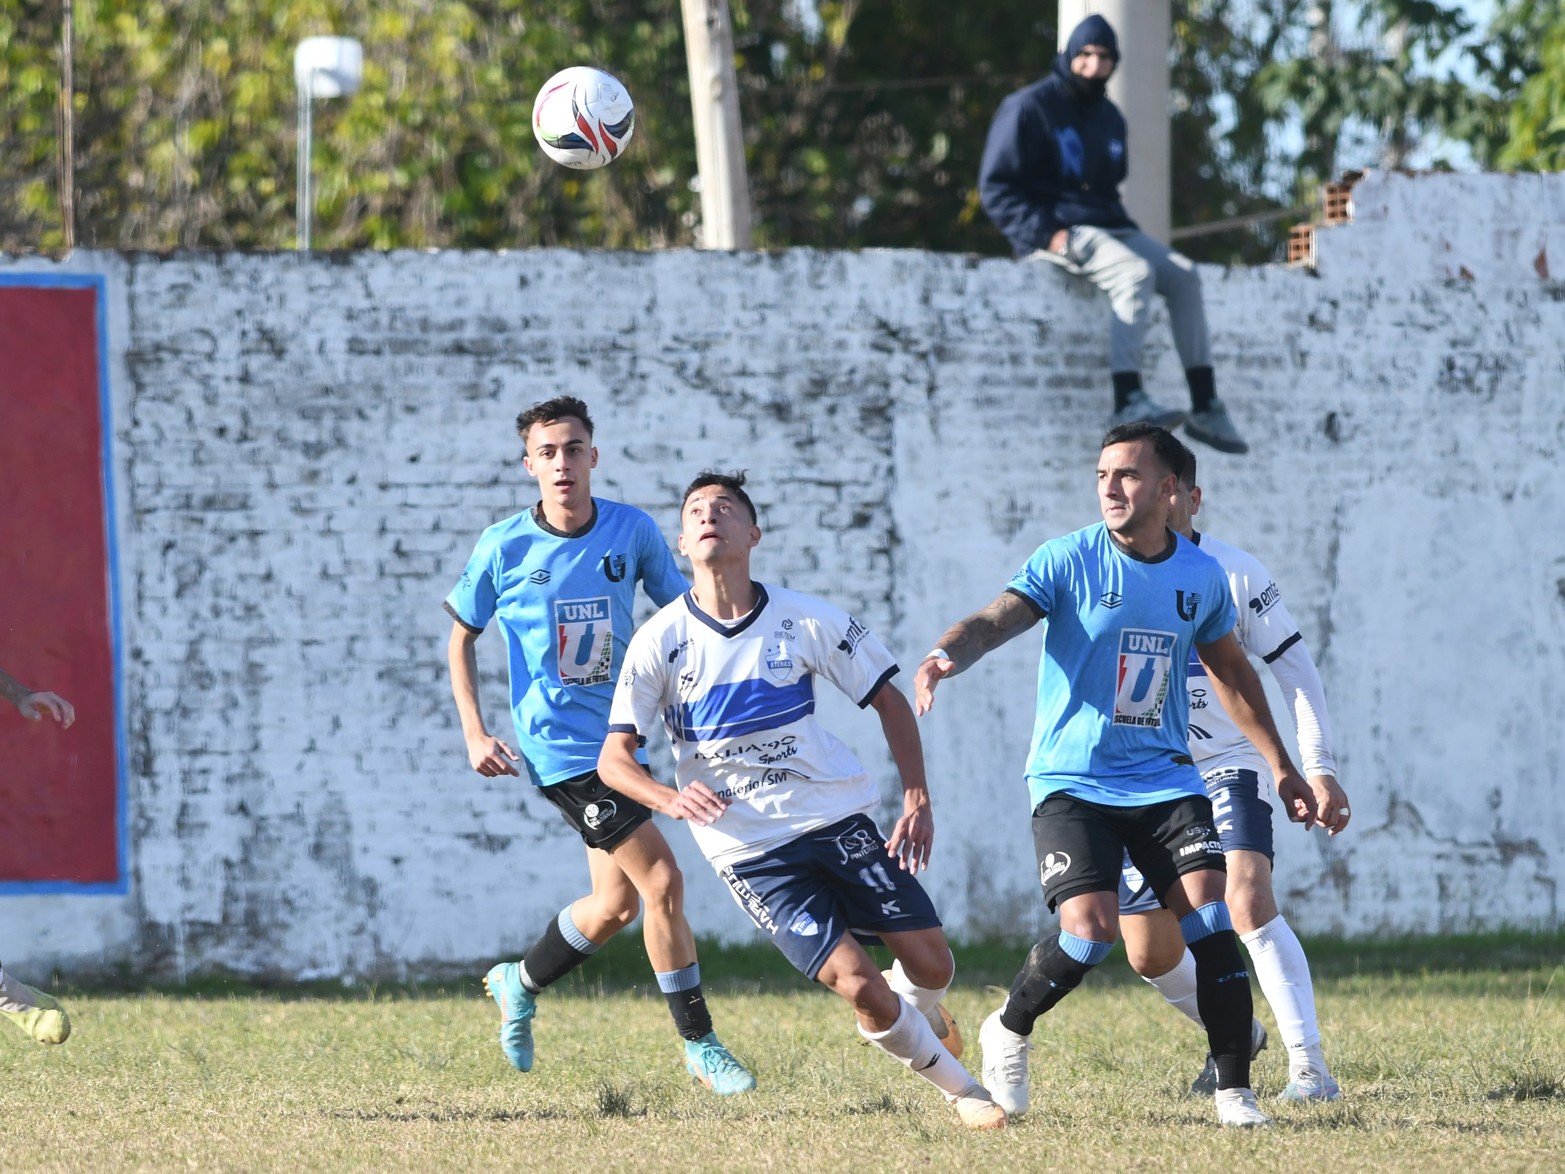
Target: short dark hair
x,y
1172,453
561,407
733,482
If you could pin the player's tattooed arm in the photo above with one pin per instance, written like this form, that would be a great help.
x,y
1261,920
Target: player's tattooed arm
x,y
967,641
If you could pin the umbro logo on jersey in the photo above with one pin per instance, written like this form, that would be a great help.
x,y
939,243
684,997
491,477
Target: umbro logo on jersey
x,y
1111,599
1187,602
614,567
539,576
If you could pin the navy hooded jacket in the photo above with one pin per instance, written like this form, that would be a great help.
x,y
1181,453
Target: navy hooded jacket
x,y
1054,158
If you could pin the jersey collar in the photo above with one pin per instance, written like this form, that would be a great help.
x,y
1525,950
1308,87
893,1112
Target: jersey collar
x,y
542,523
717,625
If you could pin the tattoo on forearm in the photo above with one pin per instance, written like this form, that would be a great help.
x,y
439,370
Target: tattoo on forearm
x,y
986,630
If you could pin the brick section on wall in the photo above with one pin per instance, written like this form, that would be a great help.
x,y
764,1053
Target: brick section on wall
x,y
310,446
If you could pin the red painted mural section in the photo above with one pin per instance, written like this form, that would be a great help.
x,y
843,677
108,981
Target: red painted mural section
x,y
58,787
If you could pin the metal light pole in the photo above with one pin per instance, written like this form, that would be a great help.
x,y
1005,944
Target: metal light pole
x,y
323,67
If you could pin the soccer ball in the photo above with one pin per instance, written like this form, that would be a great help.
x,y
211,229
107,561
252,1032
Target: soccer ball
x,y
583,117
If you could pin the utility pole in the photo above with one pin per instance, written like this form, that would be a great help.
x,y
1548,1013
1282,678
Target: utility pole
x,y
1139,88
66,125
714,106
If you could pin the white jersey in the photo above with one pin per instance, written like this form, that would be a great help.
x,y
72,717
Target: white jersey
x,y
738,703
1264,629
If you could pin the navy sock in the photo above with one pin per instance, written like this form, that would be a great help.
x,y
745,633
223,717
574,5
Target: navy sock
x,y
558,951
1222,985
1053,969
1203,387
686,1003
1125,382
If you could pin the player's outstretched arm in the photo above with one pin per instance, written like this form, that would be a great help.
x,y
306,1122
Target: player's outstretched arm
x,y
32,705
966,641
913,839
488,755
618,768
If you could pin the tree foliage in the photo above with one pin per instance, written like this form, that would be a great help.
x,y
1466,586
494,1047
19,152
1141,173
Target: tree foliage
x,y
864,121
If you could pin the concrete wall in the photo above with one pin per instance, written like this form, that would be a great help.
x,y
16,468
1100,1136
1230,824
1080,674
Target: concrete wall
x,y
307,447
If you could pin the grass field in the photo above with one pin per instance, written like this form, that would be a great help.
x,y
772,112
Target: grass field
x,y
1451,1055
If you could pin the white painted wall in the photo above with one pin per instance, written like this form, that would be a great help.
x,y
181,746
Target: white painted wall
x,y
308,446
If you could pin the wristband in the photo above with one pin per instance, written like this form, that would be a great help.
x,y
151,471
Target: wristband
x,y
940,653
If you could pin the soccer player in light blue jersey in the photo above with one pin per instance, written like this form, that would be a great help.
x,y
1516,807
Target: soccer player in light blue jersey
x,y
778,805
560,580
1123,603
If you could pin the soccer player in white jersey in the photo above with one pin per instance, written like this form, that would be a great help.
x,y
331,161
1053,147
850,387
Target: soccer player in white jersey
x,y
1233,771
1124,604
778,805
560,581
39,1015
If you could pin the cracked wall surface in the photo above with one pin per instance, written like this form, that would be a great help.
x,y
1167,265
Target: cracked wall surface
x,y
308,447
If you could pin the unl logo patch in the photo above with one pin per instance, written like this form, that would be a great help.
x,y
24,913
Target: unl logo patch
x,y
584,640
1146,661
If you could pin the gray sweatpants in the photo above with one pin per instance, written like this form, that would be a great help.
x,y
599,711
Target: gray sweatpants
x,y
1130,267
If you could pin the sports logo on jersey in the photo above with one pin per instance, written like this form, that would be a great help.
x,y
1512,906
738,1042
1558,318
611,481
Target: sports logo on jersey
x,y
540,577
805,926
1111,599
850,642
1054,864
595,815
778,657
1264,602
614,567
584,640
1187,602
856,845
1146,662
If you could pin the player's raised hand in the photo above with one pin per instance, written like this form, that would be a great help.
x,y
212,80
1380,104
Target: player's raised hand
x,y
490,757
931,671
913,839
697,803
35,705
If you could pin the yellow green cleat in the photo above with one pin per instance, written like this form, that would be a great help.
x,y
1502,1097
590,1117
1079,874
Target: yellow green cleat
x,y
37,1014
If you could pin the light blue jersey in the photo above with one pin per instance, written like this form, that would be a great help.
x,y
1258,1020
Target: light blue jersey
x,y
1113,716
565,606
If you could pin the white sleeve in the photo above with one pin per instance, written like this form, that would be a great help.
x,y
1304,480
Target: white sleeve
x,y
643,681
1300,680
848,654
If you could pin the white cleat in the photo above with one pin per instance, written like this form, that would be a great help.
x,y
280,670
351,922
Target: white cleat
x,y
1238,1107
977,1109
1005,1064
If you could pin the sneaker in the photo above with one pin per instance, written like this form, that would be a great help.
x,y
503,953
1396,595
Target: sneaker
x,y
1141,408
977,1109
941,1022
1005,1064
40,1016
1311,1086
1213,427
714,1066
1237,1106
1206,1084
517,1006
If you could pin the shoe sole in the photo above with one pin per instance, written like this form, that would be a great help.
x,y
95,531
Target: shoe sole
x,y
1234,447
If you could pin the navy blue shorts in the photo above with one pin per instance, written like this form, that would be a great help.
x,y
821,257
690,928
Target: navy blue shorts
x,y
1244,824
836,880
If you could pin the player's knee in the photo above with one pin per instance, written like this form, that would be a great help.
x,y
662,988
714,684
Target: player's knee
x,y
665,887
931,967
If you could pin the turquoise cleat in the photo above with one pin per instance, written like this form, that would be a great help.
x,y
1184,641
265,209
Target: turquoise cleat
x,y
714,1066
1310,1087
517,1006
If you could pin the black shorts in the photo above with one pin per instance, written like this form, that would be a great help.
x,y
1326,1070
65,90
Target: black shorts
x,y
601,815
1081,846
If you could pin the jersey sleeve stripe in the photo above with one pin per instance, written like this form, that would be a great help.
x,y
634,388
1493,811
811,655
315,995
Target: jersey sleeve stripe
x,y
1281,648
1029,601
452,612
875,688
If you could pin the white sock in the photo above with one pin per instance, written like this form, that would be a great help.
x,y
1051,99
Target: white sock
x,y
1178,987
1284,974
925,999
913,1041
